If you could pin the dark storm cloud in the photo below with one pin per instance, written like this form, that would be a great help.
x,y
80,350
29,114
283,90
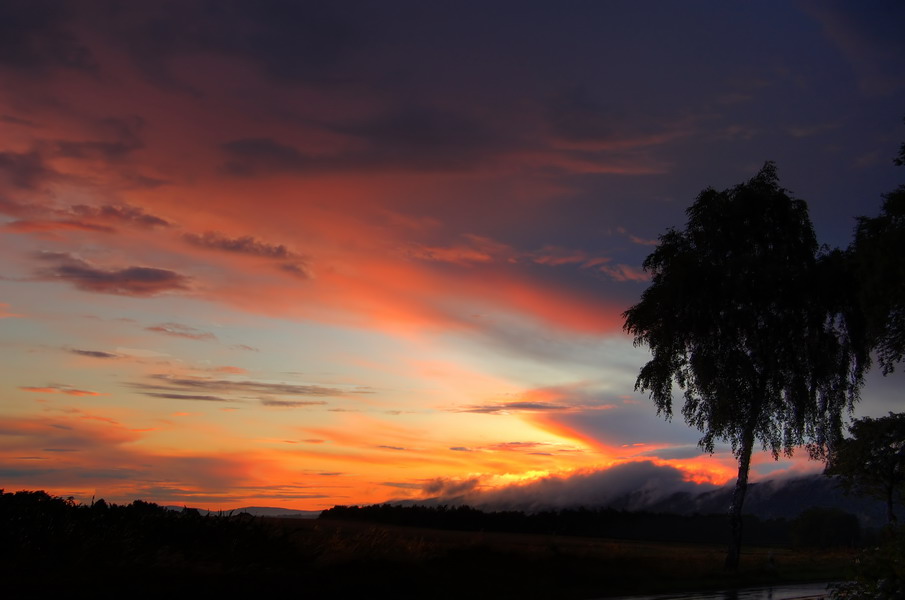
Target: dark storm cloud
x,y
24,170
94,353
420,138
413,138
169,384
123,138
34,37
13,120
250,156
240,245
296,269
128,281
183,331
577,116
93,149
132,180
289,41
121,213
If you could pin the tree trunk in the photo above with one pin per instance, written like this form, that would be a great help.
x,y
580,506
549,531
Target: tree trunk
x,y
738,500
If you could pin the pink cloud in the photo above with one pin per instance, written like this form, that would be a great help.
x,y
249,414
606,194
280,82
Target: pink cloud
x,y
621,272
556,256
637,240
58,389
183,331
48,226
6,314
478,249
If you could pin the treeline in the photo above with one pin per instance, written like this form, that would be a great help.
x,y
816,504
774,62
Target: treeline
x,y
51,541
815,527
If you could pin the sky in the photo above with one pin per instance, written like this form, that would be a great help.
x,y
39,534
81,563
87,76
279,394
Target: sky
x,y
301,254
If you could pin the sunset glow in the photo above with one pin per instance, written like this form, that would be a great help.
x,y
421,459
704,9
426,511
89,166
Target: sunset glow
x,y
298,256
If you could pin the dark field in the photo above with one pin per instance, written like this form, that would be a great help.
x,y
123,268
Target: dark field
x,y
142,550
456,564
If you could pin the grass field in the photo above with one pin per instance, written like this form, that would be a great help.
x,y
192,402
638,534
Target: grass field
x,y
452,564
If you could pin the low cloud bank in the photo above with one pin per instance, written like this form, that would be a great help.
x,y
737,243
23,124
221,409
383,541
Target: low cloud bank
x,y
630,486
645,486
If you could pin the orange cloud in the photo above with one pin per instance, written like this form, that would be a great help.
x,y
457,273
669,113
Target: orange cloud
x,y
54,389
5,313
53,226
608,452
89,454
717,470
231,370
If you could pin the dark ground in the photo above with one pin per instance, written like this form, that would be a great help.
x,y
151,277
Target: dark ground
x,y
49,546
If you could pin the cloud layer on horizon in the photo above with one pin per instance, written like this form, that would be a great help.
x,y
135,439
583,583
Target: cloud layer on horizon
x,y
628,486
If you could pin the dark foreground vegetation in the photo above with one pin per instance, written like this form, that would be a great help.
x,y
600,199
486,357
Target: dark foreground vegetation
x,y
53,545
814,528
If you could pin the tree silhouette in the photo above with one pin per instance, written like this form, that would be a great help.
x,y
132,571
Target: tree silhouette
x,y
872,460
744,315
878,260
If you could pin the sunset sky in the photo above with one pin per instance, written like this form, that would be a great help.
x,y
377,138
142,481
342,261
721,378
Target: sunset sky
x,y
301,254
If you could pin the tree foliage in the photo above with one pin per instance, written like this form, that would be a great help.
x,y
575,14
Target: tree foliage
x,y
878,256
748,318
871,461
879,573
745,316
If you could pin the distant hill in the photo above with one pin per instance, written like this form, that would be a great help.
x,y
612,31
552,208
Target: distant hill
x,y
785,498
772,499
260,511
